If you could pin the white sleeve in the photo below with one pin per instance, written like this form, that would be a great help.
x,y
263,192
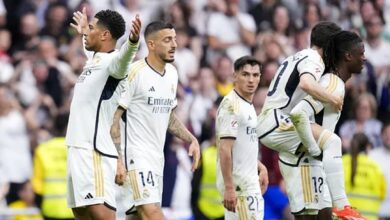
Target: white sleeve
x,y
332,84
312,67
127,91
227,120
119,64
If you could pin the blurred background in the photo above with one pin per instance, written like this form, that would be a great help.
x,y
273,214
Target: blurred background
x,y
41,58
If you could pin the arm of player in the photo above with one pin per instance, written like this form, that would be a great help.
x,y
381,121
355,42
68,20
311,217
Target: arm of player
x,y
82,27
115,133
263,176
177,128
226,163
119,64
308,84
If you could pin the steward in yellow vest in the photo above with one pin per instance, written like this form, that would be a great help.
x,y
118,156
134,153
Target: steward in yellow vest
x,y
364,180
206,200
49,175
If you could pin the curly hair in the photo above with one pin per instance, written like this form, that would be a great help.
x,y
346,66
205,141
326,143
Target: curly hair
x,y
113,21
338,45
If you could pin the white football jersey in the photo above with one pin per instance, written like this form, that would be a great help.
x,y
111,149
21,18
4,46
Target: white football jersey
x,y
95,99
283,92
236,118
149,99
325,114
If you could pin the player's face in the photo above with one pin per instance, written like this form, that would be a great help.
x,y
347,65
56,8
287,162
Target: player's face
x,y
247,79
165,45
92,39
356,63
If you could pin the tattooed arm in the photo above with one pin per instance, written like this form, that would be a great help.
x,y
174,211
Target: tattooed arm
x,y
115,133
178,129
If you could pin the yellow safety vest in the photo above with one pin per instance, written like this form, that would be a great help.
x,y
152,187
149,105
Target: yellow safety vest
x,y
210,200
49,178
369,188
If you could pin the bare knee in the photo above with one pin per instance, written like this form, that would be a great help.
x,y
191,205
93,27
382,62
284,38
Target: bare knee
x,y
101,212
150,212
81,214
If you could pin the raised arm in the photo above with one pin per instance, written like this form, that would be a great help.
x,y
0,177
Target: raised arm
x,y
119,64
177,128
82,27
308,84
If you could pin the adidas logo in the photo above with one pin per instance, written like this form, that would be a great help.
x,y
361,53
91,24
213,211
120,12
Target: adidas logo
x,y
250,118
88,196
152,89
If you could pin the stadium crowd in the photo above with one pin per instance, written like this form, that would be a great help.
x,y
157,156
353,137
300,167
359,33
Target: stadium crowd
x,y
41,57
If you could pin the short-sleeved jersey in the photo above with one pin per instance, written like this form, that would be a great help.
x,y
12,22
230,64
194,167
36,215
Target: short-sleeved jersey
x,y
149,99
95,99
326,115
236,118
283,92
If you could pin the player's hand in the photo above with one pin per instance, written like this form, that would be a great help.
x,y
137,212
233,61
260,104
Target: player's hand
x,y
81,21
120,176
338,102
135,29
263,178
194,152
230,199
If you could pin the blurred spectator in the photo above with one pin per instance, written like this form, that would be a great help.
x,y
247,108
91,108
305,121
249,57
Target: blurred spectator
x,y
205,198
15,154
57,25
364,180
282,28
49,176
263,13
29,38
312,15
7,69
185,59
267,73
381,155
259,98
364,121
26,195
204,95
223,69
230,32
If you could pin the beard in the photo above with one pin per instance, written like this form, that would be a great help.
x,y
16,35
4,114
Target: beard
x,y
168,60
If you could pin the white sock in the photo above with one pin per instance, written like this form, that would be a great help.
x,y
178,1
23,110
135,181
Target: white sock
x,y
333,166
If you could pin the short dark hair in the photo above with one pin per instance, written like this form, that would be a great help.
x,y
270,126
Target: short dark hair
x,y
156,26
242,61
342,42
113,21
322,32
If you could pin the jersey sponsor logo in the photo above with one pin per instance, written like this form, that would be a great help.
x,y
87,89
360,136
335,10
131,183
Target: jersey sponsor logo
x,y
161,105
84,75
88,196
152,89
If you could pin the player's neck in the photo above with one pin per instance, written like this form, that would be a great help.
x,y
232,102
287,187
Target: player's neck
x,y
156,64
247,96
342,72
319,50
107,48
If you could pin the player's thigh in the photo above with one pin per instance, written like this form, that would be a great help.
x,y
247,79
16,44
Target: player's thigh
x,y
90,178
282,140
144,187
306,186
248,207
